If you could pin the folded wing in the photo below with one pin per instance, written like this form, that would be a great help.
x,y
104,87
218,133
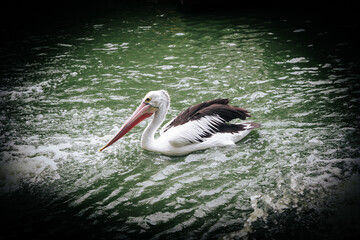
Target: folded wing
x,y
203,120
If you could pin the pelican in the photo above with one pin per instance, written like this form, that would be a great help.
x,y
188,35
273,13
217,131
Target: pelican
x,y
199,127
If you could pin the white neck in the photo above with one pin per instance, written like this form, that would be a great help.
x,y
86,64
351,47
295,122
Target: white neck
x,y
147,139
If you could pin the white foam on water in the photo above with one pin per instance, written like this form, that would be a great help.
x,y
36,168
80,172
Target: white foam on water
x,y
170,58
29,170
27,164
166,67
297,60
299,30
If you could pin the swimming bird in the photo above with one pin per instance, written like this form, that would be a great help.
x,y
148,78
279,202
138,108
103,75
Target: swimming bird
x,y
199,127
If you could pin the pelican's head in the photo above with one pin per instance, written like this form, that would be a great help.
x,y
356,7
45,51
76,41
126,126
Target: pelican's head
x,y
151,103
157,99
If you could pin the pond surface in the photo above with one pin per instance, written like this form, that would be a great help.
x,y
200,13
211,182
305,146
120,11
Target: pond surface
x,y
65,92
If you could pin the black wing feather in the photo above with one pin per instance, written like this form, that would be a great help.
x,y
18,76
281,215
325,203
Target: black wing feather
x,y
216,107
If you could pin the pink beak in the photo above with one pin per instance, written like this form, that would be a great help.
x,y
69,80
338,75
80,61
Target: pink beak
x,y
142,112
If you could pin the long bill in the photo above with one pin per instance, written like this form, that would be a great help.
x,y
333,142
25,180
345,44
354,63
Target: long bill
x,y
142,112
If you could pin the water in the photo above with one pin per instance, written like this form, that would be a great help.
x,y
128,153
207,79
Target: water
x,y
66,92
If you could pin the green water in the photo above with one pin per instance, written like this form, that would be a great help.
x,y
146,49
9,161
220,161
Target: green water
x,y
65,92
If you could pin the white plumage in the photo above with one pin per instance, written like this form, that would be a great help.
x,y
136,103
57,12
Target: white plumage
x,y
192,131
199,127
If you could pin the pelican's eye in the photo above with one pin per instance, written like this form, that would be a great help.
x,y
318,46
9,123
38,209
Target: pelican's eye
x,y
148,99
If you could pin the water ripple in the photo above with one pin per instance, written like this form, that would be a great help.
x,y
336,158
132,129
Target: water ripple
x,y
76,90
